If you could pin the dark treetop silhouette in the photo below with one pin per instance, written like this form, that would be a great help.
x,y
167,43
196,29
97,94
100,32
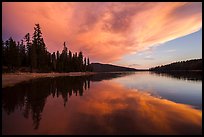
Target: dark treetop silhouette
x,y
194,64
32,55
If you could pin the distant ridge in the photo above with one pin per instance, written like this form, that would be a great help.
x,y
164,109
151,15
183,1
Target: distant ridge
x,y
194,64
98,67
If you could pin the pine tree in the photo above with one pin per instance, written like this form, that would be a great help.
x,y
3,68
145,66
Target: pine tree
x,y
58,62
48,62
33,58
88,63
22,54
28,49
85,64
6,52
89,67
64,59
70,61
53,61
75,62
80,61
13,55
40,48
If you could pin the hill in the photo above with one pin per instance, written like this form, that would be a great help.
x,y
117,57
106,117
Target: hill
x,y
98,67
194,64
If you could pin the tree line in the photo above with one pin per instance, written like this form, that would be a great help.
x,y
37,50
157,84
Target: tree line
x,y
194,64
31,54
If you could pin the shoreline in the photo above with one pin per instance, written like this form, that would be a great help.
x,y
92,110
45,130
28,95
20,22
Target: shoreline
x,y
11,79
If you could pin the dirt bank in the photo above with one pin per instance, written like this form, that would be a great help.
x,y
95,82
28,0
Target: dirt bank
x,y
10,79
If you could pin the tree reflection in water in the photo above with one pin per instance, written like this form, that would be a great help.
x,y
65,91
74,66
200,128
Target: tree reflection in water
x,y
108,108
31,96
184,75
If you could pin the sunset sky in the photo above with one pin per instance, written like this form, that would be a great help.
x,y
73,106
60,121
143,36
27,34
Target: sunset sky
x,y
134,34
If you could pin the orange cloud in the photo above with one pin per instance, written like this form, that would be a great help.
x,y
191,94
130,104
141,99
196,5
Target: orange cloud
x,y
103,31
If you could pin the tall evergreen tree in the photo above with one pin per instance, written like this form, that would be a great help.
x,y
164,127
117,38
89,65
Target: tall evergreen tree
x,y
75,62
13,55
28,49
64,59
88,63
58,62
22,54
89,68
33,58
85,64
70,61
53,61
40,48
6,52
80,61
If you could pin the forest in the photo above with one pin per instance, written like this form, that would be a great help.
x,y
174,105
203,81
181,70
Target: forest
x,y
31,55
194,64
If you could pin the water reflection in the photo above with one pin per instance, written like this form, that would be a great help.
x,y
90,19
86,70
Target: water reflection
x,y
30,97
107,108
184,75
116,110
175,89
109,75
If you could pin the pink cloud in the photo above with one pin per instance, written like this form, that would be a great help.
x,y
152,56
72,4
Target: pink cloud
x,y
103,31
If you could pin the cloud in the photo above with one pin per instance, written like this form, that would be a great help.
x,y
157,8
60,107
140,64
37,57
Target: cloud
x,y
103,31
149,57
170,50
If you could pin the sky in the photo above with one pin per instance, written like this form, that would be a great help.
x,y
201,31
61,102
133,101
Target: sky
x,y
133,34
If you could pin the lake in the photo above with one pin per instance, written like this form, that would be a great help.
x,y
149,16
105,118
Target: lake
x,y
105,103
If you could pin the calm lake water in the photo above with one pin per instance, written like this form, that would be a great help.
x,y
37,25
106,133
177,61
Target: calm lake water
x,y
107,103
